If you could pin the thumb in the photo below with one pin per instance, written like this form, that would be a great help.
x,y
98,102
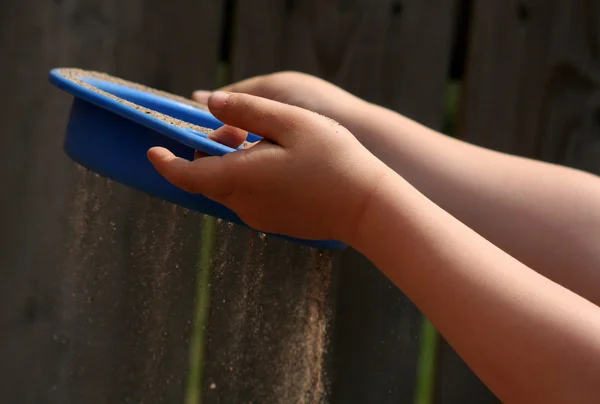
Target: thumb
x,y
270,119
207,175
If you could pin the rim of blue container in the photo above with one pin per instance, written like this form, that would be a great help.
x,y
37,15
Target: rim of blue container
x,y
106,99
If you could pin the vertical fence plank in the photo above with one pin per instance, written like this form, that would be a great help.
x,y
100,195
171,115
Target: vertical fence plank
x,y
394,53
531,89
270,313
97,280
533,80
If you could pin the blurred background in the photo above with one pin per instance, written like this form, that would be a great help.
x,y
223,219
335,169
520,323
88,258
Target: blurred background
x,y
108,295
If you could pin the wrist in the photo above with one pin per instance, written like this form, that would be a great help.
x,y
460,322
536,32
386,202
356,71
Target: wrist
x,y
391,209
372,189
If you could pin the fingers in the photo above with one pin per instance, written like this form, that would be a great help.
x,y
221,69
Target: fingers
x,y
201,96
270,119
253,86
226,135
205,176
229,136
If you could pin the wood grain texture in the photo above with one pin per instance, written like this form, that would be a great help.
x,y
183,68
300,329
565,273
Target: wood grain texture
x,y
532,89
270,318
456,383
97,280
533,80
394,53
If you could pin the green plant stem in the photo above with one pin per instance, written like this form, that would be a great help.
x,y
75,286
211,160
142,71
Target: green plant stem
x,y
427,364
200,326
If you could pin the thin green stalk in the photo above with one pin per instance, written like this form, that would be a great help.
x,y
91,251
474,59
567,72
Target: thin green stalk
x,y
427,364
199,332
198,339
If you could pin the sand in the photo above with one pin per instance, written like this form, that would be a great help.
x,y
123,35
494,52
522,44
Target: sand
x,y
74,75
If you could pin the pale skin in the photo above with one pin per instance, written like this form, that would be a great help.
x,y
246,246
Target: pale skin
x,y
500,253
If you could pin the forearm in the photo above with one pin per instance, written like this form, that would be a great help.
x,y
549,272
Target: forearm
x,y
523,335
544,215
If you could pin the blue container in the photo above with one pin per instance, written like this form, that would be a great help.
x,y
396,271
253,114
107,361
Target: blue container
x,y
112,138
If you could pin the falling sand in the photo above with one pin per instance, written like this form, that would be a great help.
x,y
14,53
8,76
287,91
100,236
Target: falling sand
x,y
269,319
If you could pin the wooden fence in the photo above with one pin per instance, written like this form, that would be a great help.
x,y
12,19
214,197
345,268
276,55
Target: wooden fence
x,y
109,295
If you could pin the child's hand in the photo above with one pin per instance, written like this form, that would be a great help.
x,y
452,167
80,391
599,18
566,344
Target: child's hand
x,y
298,89
309,178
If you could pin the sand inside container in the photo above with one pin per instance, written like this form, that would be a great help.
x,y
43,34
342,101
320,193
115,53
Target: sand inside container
x,y
74,75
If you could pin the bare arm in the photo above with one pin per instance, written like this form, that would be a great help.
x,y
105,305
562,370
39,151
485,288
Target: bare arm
x,y
528,338
544,215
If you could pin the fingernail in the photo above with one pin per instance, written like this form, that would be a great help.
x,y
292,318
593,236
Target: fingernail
x,y
218,100
201,96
